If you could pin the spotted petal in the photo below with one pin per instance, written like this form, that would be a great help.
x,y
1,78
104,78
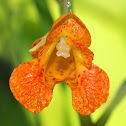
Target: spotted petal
x,y
28,81
72,27
27,85
90,90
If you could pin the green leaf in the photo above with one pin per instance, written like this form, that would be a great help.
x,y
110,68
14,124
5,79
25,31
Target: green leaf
x,y
44,13
121,93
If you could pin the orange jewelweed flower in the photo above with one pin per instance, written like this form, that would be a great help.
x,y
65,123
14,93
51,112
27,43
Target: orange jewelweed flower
x,y
61,55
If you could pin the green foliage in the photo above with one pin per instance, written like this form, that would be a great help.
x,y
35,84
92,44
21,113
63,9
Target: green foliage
x,y
121,93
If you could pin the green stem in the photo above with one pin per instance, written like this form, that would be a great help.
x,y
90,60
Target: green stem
x,y
65,6
85,120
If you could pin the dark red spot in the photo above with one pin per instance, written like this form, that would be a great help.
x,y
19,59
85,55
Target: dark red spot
x,y
46,79
78,75
34,44
84,62
38,60
61,73
42,70
71,61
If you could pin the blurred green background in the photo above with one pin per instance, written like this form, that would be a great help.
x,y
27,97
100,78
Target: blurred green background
x,y
24,21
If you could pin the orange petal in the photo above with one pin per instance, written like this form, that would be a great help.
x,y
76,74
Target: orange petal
x,y
26,83
83,56
45,54
72,27
91,90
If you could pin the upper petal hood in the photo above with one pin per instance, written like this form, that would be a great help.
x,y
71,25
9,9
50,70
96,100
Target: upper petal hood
x,y
73,28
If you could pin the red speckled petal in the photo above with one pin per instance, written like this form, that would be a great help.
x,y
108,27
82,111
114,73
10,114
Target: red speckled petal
x,y
83,56
91,90
27,86
72,27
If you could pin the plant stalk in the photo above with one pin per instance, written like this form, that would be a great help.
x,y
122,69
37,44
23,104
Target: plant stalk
x,y
65,6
